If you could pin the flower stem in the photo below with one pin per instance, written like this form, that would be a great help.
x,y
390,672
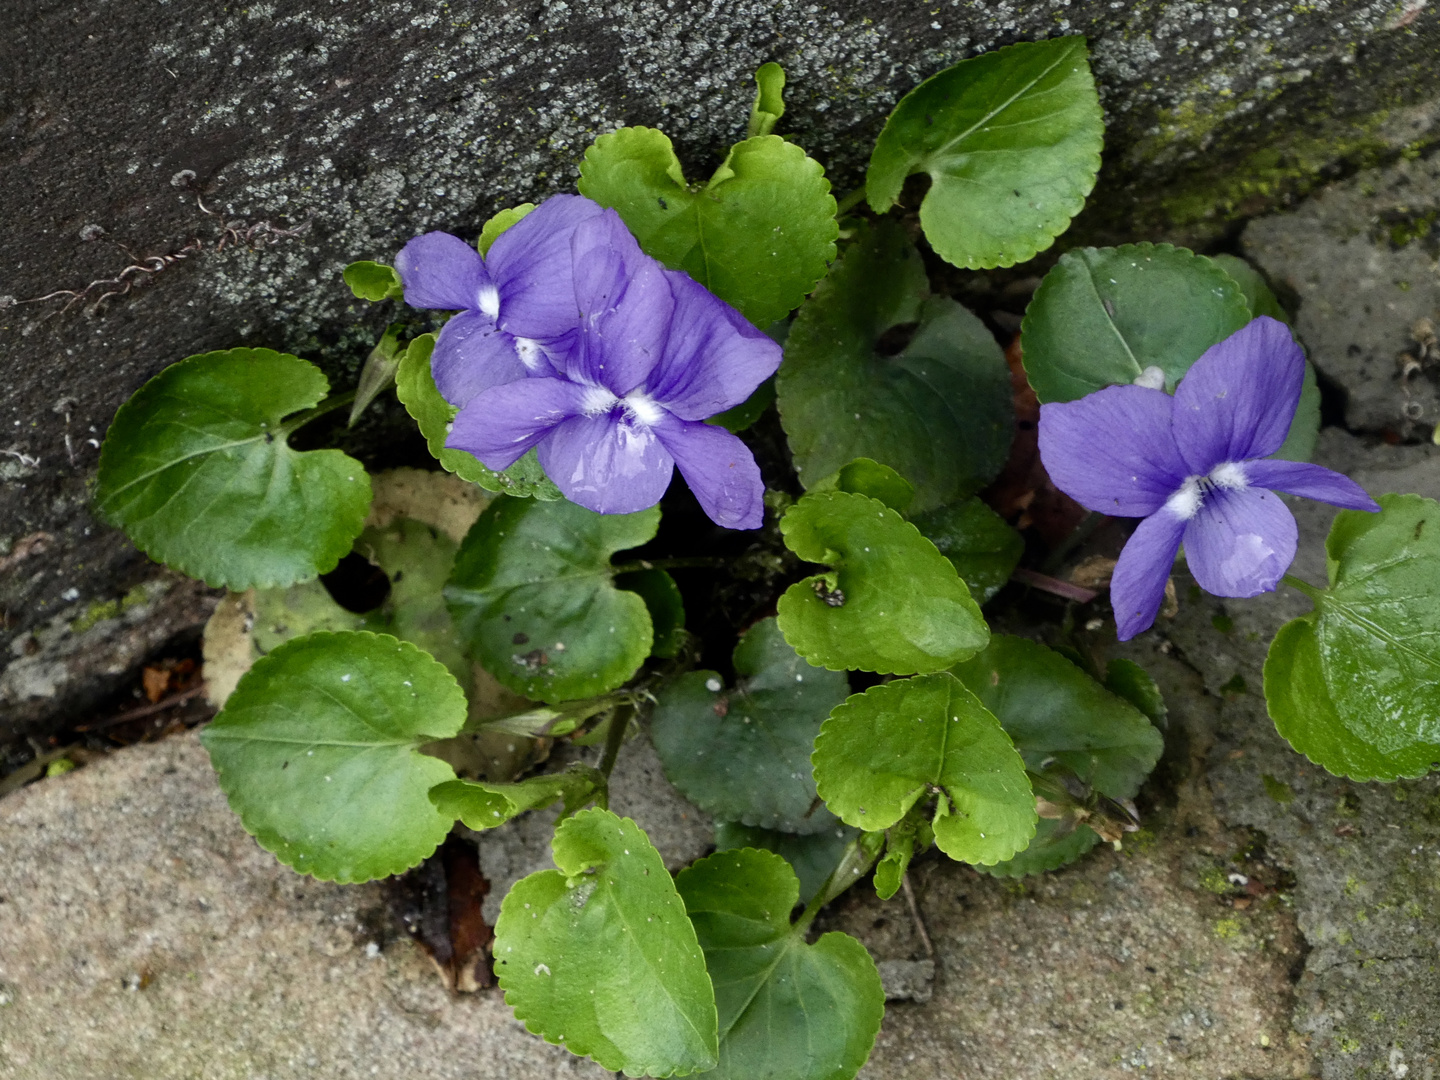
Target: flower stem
x,y
329,405
711,561
849,202
1312,591
614,739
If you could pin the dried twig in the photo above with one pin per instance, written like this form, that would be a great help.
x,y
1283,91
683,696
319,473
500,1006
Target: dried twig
x,y
146,710
915,914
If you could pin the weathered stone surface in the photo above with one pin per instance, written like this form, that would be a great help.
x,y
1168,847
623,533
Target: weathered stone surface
x,y
1363,260
367,122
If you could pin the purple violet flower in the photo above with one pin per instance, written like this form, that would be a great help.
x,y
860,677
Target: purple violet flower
x,y
1196,467
513,303
655,354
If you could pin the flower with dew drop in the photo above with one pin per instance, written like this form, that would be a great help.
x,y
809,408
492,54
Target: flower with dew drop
x,y
654,355
1196,467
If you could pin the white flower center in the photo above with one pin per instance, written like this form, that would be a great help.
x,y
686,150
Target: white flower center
x,y
642,408
1185,502
597,400
529,350
490,300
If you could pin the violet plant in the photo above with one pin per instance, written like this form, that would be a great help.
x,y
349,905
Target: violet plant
x,y
600,341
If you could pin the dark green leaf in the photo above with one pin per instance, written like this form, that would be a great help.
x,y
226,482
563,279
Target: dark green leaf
x,y
1103,315
883,751
939,412
788,1010
415,387
748,411
982,547
744,754
759,235
1068,728
198,470
492,229
769,100
813,857
1355,685
1258,297
599,957
483,805
1011,140
316,751
374,281
533,594
865,477
666,606
893,603
1127,679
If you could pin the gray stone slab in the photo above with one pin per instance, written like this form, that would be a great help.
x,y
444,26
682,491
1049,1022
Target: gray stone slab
x,y
1361,258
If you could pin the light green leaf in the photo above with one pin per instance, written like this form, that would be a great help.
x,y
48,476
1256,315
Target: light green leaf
x,y
788,1010
813,857
197,469
759,235
1103,315
903,841
1355,685
892,603
769,100
883,751
865,477
491,230
939,412
533,594
1070,730
316,751
1011,140
744,754
282,614
378,372
374,281
484,805
983,549
600,958
415,387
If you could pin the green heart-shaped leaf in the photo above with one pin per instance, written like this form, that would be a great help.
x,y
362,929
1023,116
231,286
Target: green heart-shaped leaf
x,y
415,387
886,749
491,230
1355,685
599,957
744,754
938,412
983,549
373,281
198,471
484,805
759,235
865,477
1066,726
1103,315
1011,141
788,1010
666,606
316,751
533,593
893,603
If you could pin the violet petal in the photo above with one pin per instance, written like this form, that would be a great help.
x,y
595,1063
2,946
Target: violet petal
x,y
720,470
1237,401
500,424
625,304
533,268
1137,587
470,356
442,271
1310,481
607,463
713,359
1112,451
1240,542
